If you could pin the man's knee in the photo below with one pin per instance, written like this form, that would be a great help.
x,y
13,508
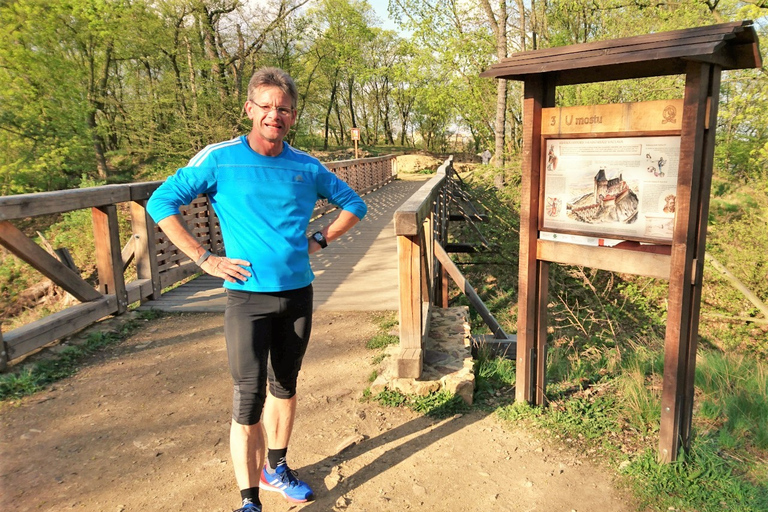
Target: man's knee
x,y
283,389
247,404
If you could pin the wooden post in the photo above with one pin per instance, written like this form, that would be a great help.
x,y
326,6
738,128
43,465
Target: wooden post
x,y
109,262
145,252
215,246
411,356
539,92
3,354
680,342
705,185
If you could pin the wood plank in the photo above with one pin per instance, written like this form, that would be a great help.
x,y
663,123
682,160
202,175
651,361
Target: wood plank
x,y
618,49
44,203
173,276
740,35
21,246
675,57
680,34
143,228
539,93
41,332
128,253
138,290
3,353
625,261
647,116
142,191
410,216
680,296
409,273
702,216
109,261
470,292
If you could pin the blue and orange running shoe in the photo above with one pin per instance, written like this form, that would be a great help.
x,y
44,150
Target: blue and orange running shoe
x,y
283,480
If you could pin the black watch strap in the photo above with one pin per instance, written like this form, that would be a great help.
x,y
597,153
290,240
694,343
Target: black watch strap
x,y
320,239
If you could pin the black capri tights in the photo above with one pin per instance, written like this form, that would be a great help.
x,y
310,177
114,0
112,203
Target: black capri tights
x,y
267,335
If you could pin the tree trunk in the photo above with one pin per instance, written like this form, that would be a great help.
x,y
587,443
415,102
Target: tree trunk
x,y
331,102
500,31
350,87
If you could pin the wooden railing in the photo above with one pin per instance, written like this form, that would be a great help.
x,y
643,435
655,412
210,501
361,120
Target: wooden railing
x,y
158,262
421,226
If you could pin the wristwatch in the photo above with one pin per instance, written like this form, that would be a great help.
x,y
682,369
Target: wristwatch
x,y
320,239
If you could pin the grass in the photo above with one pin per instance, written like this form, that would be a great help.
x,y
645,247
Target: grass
x,y
385,322
36,377
605,364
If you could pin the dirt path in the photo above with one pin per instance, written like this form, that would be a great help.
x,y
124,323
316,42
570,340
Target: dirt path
x,y
145,428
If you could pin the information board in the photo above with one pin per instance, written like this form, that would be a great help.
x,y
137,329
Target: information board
x,y
620,188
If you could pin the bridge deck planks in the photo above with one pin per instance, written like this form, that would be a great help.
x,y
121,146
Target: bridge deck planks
x,y
358,272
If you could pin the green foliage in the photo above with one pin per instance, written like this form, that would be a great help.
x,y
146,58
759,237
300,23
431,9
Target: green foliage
x,y
386,321
701,480
441,404
734,398
605,356
39,375
381,340
492,375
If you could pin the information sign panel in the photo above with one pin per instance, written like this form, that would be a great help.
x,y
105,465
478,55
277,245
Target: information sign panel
x,y
612,187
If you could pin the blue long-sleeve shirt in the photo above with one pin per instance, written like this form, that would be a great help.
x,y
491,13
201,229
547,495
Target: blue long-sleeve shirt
x,y
264,205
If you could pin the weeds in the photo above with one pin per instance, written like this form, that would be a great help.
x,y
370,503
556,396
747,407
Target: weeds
x,y
47,371
605,365
701,480
441,404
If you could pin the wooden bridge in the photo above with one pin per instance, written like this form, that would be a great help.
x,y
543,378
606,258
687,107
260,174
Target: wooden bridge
x,y
357,272
393,260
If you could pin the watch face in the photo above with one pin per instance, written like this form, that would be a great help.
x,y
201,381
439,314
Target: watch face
x,y
320,239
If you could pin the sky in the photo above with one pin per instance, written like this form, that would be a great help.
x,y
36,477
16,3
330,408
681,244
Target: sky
x,y
380,6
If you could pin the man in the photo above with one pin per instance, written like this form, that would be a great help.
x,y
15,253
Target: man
x,y
263,192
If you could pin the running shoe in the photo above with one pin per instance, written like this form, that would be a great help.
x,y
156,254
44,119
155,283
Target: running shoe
x,y
248,507
284,481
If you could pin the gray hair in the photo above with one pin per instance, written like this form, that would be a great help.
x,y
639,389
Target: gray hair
x,y
274,77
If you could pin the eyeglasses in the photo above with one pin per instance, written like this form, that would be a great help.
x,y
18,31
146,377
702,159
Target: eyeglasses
x,y
283,111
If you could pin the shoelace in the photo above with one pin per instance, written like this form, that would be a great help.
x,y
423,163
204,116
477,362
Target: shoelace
x,y
291,476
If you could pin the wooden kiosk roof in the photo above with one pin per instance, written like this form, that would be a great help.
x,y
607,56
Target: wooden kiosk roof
x,y
729,45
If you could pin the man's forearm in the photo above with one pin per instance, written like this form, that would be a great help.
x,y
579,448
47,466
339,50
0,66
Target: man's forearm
x,y
176,231
340,225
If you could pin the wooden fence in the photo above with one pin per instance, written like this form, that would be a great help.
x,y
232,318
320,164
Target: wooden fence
x,y
421,226
158,262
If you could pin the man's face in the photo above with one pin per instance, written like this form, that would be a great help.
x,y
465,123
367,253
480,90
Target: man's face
x,y
272,114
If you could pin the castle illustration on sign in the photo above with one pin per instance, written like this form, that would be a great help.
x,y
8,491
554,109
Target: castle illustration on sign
x,y
612,200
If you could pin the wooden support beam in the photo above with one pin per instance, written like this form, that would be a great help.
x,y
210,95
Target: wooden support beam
x,y
699,256
41,332
539,93
470,292
409,271
109,260
145,250
16,242
605,258
127,254
3,354
682,311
